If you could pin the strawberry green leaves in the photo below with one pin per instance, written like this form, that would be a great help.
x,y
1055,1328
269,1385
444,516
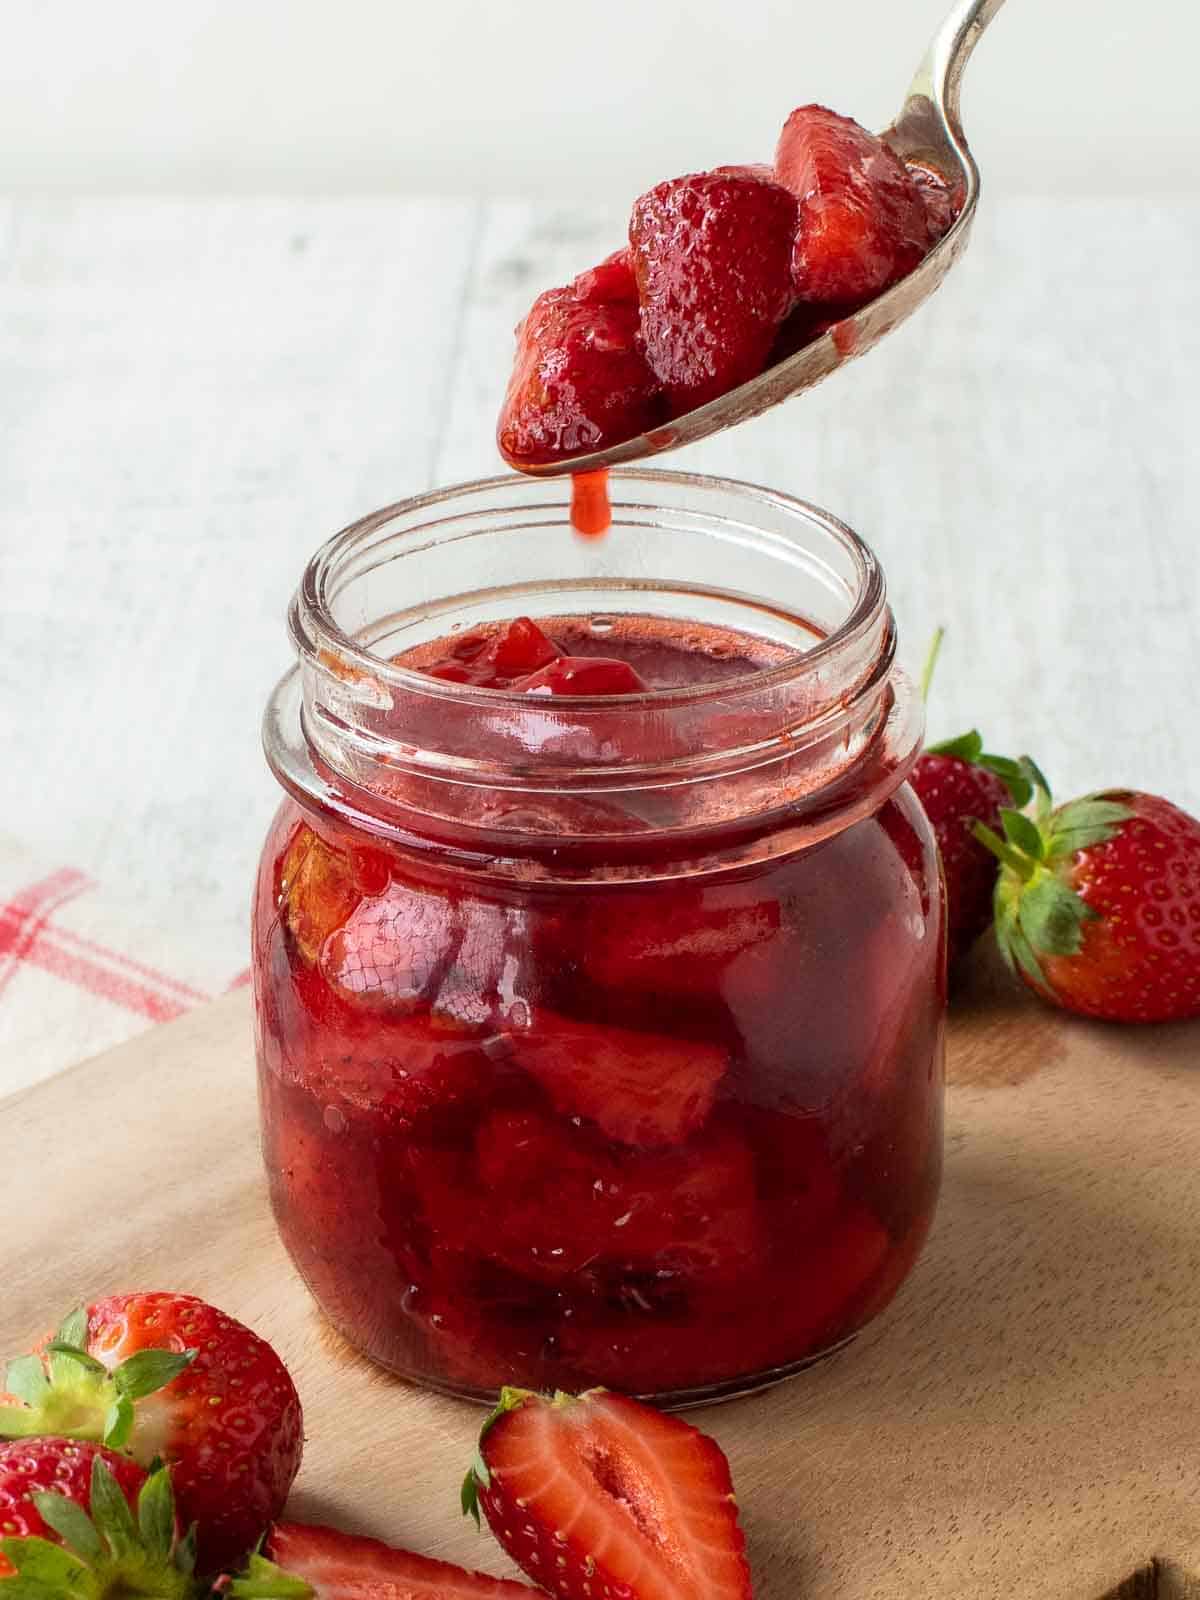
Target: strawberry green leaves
x,y
1037,911
1018,777
263,1580
478,1477
105,1553
67,1390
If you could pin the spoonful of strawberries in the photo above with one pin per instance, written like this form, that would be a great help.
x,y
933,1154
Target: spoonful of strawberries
x,y
742,286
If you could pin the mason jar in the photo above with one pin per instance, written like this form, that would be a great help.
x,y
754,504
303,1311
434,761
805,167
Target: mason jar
x,y
599,1039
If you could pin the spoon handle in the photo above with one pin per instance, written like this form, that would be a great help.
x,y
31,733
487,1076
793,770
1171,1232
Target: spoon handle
x,y
939,76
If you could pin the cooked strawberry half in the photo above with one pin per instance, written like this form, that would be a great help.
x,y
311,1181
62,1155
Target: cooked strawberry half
x,y
941,203
600,1495
580,380
169,1377
861,223
637,1088
301,1561
563,1205
583,675
612,282
495,660
316,890
712,255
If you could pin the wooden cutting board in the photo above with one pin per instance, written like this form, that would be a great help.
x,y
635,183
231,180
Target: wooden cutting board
x,y
1024,1420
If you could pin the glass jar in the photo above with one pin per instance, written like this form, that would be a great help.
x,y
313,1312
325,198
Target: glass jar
x,y
599,1040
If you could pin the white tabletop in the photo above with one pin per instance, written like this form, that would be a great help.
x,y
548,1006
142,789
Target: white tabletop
x,y
193,394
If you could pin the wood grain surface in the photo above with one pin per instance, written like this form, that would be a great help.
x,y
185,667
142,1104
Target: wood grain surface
x,y
1024,1420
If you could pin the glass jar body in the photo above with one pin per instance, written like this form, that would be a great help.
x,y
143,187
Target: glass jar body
x,y
678,1136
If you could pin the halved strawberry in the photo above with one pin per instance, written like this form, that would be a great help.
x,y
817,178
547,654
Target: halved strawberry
x,y
862,222
638,1088
494,660
610,283
316,890
599,1495
302,1561
579,382
711,252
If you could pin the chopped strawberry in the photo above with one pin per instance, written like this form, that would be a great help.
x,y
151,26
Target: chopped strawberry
x,y
314,1563
941,206
711,252
78,1520
579,381
1098,904
583,675
637,1088
562,1204
861,222
391,948
496,660
167,1376
611,283
316,890
601,1495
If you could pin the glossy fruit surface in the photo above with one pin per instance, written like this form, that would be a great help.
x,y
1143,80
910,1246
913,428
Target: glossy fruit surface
x,y
711,252
862,223
1098,905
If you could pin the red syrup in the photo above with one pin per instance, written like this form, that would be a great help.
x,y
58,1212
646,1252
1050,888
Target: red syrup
x,y
674,1132
591,513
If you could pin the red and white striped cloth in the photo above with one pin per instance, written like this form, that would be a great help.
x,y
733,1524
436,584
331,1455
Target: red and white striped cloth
x,y
73,975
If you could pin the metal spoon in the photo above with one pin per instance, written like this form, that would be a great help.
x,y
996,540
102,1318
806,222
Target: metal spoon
x,y
928,130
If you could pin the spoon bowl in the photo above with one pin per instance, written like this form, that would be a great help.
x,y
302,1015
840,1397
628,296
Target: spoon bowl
x,y
927,131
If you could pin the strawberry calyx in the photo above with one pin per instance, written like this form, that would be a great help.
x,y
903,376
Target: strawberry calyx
x,y
105,1554
64,1390
478,1477
263,1580
1018,777
1037,911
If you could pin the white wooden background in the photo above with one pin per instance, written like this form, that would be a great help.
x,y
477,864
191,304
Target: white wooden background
x,y
193,394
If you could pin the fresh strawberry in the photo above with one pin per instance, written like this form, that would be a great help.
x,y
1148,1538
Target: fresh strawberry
x,y
638,1088
166,1376
583,675
711,252
1098,904
959,784
862,222
599,1495
303,1562
579,381
78,1522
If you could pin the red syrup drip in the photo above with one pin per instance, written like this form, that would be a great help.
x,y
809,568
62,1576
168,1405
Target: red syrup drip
x,y
591,513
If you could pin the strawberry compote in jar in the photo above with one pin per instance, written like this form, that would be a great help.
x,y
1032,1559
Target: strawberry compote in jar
x,y
599,1036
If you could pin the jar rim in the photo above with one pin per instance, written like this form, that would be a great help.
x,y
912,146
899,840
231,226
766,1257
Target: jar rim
x,y
316,633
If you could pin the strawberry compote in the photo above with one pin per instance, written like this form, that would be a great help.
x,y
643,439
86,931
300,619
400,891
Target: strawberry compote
x,y
629,1076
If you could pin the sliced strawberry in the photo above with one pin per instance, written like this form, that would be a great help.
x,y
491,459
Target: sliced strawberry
x,y
861,222
941,204
562,1204
637,1088
583,675
325,1564
579,382
601,1495
711,252
316,890
494,660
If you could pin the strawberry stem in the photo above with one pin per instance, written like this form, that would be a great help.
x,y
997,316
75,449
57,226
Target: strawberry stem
x,y
935,647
